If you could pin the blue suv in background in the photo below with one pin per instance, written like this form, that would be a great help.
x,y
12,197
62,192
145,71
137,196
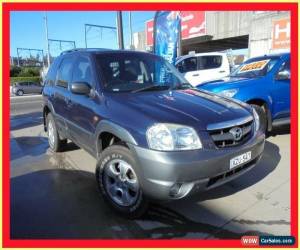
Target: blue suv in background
x,y
264,83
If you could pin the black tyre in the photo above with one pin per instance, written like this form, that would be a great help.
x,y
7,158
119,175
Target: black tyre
x,y
118,182
262,114
55,143
20,92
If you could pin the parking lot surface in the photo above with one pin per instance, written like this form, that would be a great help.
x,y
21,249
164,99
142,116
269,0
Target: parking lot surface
x,y
54,195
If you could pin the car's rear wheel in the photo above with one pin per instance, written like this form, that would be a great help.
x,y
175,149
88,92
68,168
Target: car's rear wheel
x,y
55,143
118,181
20,92
262,114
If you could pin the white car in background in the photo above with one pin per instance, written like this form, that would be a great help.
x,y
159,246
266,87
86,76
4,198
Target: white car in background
x,y
202,67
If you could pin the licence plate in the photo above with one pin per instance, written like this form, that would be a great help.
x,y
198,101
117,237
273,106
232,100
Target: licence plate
x,y
236,161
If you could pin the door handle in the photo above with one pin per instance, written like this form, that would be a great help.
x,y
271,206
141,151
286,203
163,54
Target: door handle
x,y
195,75
222,71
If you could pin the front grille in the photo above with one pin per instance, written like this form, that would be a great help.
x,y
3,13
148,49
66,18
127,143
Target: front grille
x,y
221,177
223,138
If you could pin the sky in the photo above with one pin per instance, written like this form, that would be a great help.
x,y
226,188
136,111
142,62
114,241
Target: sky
x,y
27,29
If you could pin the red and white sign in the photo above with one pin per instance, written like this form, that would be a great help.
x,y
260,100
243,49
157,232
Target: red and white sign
x,y
250,240
149,32
281,34
192,25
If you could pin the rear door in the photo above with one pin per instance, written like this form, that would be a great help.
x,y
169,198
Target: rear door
x,y
212,67
36,88
61,95
32,88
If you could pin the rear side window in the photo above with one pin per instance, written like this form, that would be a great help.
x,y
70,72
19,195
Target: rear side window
x,y
209,62
23,84
82,71
34,84
64,73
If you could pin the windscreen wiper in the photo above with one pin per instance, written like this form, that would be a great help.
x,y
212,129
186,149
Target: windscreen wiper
x,y
181,86
154,86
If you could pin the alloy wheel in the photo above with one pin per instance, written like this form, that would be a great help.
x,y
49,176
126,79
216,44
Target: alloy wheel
x,y
121,182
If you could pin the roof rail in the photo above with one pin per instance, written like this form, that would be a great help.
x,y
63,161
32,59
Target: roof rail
x,y
83,49
69,51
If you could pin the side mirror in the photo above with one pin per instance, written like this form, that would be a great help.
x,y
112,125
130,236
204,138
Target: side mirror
x,y
80,88
283,75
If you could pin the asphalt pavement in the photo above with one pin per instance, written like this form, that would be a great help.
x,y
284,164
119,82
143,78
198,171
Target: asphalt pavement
x,y
54,195
25,104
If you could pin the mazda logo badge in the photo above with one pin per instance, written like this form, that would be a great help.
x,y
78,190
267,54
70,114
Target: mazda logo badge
x,y
237,133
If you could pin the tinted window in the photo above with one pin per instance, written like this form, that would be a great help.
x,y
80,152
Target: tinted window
x,y
64,73
34,84
209,62
82,71
23,84
186,65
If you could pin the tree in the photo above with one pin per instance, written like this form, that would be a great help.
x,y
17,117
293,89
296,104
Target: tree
x,y
15,70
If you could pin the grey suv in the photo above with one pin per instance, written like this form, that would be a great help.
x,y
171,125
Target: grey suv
x,y
21,88
154,136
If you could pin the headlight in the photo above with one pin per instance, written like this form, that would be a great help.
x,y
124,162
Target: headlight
x,y
228,92
172,137
256,120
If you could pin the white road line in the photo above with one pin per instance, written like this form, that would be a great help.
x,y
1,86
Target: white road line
x,y
25,97
18,103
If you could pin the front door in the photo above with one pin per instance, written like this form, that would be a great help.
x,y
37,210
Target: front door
x,y
281,92
212,67
62,94
83,119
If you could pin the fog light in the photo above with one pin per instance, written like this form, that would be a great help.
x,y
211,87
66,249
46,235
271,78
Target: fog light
x,y
174,191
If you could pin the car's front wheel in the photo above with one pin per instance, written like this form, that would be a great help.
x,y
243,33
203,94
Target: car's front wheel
x,y
118,181
20,92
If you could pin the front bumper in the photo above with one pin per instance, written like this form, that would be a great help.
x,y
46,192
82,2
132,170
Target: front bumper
x,y
174,175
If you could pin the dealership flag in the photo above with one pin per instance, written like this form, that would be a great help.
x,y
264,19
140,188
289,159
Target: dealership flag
x,y
166,34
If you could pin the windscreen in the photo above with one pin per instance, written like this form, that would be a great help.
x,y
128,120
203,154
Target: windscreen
x,y
123,72
255,68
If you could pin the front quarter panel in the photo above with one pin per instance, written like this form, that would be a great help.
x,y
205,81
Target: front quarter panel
x,y
115,129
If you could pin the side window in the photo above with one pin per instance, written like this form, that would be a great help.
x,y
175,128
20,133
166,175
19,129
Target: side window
x,y
188,64
285,67
64,73
284,71
209,62
82,71
52,72
179,66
